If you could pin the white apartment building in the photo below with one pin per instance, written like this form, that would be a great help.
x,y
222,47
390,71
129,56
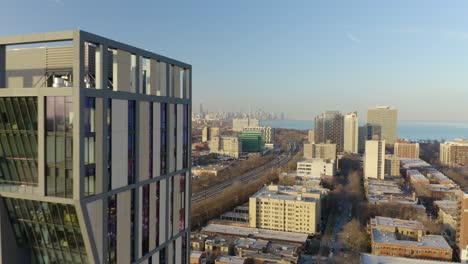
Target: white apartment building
x,y
374,159
316,168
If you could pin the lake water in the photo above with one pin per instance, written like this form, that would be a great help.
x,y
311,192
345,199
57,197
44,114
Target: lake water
x,y
414,130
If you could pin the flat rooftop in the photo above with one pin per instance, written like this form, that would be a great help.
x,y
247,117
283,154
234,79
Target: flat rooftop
x,y
256,232
438,176
414,163
416,175
429,241
373,259
395,222
230,259
285,193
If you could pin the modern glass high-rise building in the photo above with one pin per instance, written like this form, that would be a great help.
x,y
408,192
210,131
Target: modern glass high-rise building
x,y
94,151
329,129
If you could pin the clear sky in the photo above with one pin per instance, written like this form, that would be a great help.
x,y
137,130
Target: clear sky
x,y
297,57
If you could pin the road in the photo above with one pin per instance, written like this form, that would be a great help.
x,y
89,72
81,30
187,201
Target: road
x,y
249,176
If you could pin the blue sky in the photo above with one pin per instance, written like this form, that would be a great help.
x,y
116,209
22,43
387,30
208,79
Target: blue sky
x,y
298,57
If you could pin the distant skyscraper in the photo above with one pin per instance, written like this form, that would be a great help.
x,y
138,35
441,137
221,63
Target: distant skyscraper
x,y
374,159
386,118
367,132
350,138
202,113
329,128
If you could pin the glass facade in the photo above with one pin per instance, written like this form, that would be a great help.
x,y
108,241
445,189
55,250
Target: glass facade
x,y
18,140
145,220
174,150
163,133
112,229
182,202
59,146
185,137
109,143
131,142
90,145
50,230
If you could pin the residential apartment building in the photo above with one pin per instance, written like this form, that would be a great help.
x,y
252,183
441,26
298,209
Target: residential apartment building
x,y
454,153
226,145
311,136
386,118
416,178
320,151
367,132
209,132
374,159
329,129
316,168
238,124
351,132
392,165
407,150
404,238
285,208
95,158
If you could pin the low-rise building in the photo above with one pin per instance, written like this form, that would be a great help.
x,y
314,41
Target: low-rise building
x,y
208,170
294,238
449,216
406,149
196,257
392,165
462,234
373,259
416,178
220,245
438,177
316,168
404,238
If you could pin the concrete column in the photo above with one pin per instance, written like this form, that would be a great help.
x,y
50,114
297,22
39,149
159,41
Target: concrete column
x,y
2,66
78,124
101,66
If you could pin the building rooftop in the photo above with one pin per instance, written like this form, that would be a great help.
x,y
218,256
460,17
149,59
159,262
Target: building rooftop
x,y
373,259
285,193
256,233
230,259
252,244
429,241
457,142
438,176
415,175
316,160
395,222
449,207
414,163
196,254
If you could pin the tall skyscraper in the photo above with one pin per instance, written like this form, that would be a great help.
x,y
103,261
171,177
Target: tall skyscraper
x,y
350,138
202,112
368,132
329,129
386,118
374,159
95,152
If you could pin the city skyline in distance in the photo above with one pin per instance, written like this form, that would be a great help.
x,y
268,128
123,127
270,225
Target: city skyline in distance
x,y
303,58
